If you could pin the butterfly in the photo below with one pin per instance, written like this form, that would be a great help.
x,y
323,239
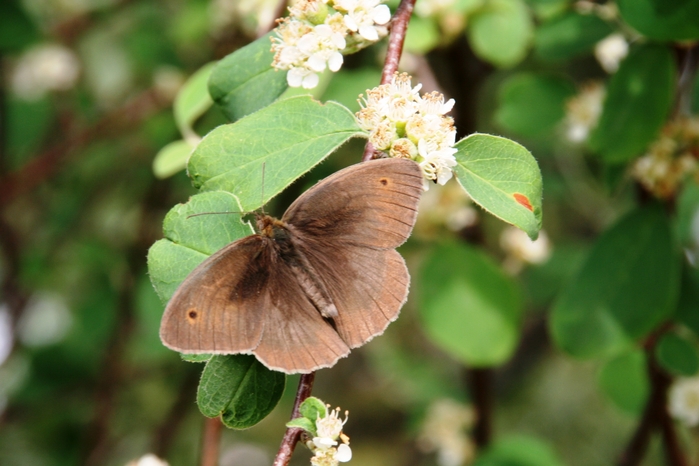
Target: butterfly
x,y
306,289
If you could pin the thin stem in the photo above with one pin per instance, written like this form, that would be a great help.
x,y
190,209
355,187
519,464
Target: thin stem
x,y
210,441
399,28
481,382
286,449
655,415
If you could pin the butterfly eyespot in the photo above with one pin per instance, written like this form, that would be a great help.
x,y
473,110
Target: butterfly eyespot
x,y
383,181
192,315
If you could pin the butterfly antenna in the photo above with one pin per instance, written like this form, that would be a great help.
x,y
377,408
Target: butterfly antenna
x,y
213,213
262,190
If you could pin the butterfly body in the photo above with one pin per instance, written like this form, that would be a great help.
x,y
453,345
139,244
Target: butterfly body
x,y
305,289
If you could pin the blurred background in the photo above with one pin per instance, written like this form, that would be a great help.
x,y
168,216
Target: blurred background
x,y
86,104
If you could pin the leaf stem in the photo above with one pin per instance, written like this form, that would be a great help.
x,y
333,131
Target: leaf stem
x,y
286,449
399,28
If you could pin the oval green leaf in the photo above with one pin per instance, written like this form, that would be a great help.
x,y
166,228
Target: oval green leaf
x,y
532,104
668,20
569,35
171,159
470,308
288,137
192,101
502,177
639,97
627,286
239,389
190,240
501,32
518,451
624,379
244,81
677,355
688,303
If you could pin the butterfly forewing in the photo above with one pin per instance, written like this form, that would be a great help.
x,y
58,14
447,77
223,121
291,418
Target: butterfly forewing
x,y
370,204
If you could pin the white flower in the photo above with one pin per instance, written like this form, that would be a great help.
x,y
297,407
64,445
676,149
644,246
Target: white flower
x,y
437,163
148,460
684,401
433,104
322,46
362,16
583,112
331,425
47,67
610,51
516,242
297,77
444,432
344,453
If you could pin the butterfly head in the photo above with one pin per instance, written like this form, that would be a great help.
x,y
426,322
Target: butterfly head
x,y
268,226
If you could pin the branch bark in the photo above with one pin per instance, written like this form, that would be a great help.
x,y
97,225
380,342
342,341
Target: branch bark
x,y
286,449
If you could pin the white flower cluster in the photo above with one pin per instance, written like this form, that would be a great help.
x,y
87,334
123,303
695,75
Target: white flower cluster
x,y
325,448
445,432
583,111
684,401
404,124
318,32
670,158
44,68
147,460
610,51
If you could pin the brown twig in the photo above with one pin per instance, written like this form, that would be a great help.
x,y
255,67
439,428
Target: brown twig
x,y
292,434
481,384
399,28
210,441
655,414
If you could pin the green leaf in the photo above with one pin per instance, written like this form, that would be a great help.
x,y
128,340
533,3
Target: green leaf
x,y
470,308
188,241
569,35
195,357
627,286
303,423
518,451
639,97
677,355
16,28
171,159
501,32
532,104
668,20
312,408
502,177
244,81
192,101
288,137
688,302
624,379
239,389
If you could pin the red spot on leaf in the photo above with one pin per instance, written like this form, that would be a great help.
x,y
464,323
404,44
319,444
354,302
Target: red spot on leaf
x,y
523,200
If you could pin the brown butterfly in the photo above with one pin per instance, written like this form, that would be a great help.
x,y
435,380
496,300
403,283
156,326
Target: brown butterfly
x,y
309,287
